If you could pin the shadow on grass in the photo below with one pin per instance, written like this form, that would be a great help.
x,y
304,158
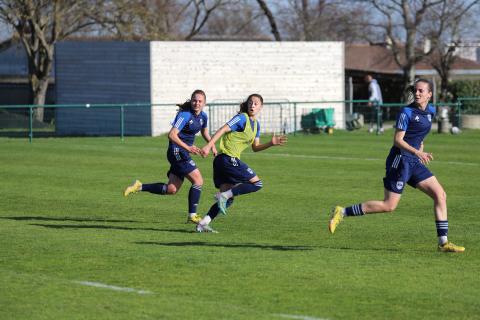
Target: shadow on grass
x,y
363,249
94,226
226,245
65,219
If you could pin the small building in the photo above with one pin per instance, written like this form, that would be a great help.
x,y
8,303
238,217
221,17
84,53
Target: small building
x,y
377,60
109,72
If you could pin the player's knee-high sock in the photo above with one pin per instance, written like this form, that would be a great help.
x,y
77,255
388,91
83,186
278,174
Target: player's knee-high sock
x,y
213,212
157,188
245,188
354,210
194,198
442,231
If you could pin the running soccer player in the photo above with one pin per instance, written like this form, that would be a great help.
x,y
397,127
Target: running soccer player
x,y
406,164
189,120
232,176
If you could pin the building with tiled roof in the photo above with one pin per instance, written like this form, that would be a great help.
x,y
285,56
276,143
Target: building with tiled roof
x,y
362,59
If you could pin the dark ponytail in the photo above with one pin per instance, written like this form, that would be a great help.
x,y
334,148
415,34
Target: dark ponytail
x,y
244,104
409,93
187,105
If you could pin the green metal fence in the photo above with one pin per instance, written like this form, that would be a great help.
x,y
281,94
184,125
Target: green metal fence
x,y
136,118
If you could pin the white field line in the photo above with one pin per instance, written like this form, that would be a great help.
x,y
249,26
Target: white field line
x,y
115,288
305,156
293,316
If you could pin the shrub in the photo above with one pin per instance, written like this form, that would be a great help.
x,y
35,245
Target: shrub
x,y
467,89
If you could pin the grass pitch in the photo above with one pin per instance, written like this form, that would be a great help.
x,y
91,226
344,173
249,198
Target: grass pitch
x,y
71,247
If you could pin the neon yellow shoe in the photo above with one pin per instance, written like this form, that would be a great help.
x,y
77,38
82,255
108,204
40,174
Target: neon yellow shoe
x,y
194,219
450,247
134,188
335,218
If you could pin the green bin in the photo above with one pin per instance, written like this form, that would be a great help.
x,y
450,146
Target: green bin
x,y
318,119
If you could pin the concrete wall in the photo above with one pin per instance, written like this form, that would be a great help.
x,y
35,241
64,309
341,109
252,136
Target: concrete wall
x,y
280,71
102,72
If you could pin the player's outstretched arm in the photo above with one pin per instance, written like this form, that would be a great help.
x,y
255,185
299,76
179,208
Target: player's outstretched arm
x,y
207,138
276,141
211,144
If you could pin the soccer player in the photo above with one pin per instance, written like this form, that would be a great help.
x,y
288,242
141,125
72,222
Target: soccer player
x,y
406,164
189,120
232,176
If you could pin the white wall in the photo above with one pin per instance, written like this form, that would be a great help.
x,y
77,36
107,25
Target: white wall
x,y
296,71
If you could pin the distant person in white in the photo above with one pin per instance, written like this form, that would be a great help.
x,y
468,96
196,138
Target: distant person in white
x,y
374,97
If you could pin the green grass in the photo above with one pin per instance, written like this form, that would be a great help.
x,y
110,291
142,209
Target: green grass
x,y
63,220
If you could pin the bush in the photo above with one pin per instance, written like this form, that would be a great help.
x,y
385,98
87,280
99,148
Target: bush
x,y
470,89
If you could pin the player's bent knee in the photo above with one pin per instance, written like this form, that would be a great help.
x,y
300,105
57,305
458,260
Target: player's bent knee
x,y
171,189
441,196
389,207
258,184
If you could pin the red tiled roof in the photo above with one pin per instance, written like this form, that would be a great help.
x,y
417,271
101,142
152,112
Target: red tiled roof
x,y
379,59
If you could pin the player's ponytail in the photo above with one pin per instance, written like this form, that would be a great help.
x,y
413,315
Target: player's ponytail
x,y
409,93
187,105
244,104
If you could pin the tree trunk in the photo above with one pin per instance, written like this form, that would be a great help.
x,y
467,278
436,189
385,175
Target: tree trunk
x,y
444,85
39,67
39,96
408,79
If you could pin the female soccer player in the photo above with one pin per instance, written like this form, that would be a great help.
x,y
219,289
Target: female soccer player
x,y
406,164
232,176
189,121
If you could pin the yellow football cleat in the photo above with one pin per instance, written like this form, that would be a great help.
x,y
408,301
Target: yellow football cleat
x,y
194,219
450,247
134,188
335,218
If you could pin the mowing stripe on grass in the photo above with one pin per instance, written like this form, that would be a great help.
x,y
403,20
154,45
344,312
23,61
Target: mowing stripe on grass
x,y
293,316
305,156
107,286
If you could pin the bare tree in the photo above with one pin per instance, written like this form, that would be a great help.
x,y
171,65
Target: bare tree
x,y
137,19
324,20
201,13
156,19
39,24
457,18
402,20
271,19
238,20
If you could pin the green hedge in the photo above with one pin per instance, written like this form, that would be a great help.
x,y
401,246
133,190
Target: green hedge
x,y
467,88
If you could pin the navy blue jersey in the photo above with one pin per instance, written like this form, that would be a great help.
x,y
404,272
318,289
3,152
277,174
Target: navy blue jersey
x,y
189,125
416,123
238,123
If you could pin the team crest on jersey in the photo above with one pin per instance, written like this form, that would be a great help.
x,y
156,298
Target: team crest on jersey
x,y
201,122
190,122
429,117
399,185
417,118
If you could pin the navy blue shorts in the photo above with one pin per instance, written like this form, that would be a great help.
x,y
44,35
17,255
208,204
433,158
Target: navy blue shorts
x,y
231,170
401,170
181,163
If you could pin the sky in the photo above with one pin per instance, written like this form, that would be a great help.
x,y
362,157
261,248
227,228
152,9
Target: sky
x,y
473,34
